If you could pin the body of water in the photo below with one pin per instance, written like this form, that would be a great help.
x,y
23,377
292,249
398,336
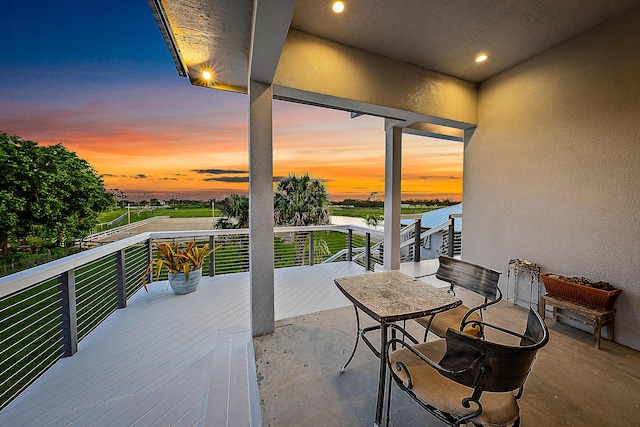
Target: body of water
x,y
348,220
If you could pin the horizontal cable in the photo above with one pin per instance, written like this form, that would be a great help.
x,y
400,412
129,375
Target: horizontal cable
x,y
26,365
53,320
21,321
55,297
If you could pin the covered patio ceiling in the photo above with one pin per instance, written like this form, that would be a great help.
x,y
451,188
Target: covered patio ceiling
x,y
408,60
440,36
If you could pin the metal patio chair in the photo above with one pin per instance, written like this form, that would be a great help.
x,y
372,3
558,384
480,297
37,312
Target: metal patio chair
x,y
475,278
462,378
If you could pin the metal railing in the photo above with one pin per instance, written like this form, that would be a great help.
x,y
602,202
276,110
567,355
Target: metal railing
x,y
46,310
412,238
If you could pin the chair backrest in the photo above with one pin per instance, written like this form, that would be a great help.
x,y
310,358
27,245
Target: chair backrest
x,y
489,366
481,280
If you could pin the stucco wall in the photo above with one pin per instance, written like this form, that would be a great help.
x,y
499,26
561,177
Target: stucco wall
x,y
552,173
322,68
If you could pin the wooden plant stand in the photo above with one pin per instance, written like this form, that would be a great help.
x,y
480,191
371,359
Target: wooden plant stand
x,y
596,318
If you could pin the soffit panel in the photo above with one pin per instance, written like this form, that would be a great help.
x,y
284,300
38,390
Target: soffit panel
x,y
212,34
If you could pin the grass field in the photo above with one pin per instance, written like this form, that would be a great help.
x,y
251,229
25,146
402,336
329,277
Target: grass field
x,y
178,212
110,216
139,215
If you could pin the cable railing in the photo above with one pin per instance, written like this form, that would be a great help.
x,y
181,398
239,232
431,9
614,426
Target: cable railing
x,y
46,310
30,336
412,239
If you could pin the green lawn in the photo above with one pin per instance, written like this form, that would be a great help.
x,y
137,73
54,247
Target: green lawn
x,y
355,212
140,214
178,212
110,216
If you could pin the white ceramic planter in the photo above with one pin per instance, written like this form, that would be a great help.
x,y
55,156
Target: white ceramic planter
x,y
181,286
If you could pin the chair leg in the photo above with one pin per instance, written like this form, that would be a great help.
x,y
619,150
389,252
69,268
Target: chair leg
x,y
426,328
387,403
355,346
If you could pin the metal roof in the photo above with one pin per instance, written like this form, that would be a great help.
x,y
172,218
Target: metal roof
x,y
439,216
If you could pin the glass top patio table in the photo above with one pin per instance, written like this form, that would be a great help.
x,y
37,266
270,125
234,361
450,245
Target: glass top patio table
x,y
389,297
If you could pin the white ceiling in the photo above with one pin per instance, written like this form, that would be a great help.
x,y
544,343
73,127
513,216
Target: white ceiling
x,y
446,36
440,35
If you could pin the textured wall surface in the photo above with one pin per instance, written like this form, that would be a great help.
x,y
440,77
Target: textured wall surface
x,y
552,173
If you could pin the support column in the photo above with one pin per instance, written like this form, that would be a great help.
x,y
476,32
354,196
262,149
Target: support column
x,y
261,251
212,257
121,279
69,315
392,194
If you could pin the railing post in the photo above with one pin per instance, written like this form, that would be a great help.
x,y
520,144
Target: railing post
x,y
451,236
350,245
416,246
311,248
149,253
367,257
68,318
121,279
212,257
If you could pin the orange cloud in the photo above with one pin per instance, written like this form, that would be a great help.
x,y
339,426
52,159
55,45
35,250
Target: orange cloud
x,y
142,151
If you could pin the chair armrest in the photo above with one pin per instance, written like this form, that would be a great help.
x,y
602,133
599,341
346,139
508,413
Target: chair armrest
x,y
449,373
492,326
486,304
404,332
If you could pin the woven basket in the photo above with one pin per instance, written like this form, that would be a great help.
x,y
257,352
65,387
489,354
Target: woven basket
x,y
592,297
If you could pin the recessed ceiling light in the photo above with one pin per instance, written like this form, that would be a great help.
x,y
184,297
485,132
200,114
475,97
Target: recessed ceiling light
x,y
206,74
481,58
338,6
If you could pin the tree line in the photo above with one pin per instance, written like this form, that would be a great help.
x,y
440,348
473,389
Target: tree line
x,y
47,192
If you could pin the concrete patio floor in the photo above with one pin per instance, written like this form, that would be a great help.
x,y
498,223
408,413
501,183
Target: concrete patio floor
x,y
571,384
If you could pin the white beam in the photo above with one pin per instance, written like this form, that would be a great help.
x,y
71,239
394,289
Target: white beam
x,y
270,23
392,194
261,224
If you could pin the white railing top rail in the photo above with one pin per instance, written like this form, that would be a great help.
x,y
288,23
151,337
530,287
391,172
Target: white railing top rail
x,y
23,279
343,252
122,228
157,235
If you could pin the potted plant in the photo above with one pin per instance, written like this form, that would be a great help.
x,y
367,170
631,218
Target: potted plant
x,y
183,262
600,295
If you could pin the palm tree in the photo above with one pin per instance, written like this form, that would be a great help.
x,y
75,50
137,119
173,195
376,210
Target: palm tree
x,y
372,220
235,210
235,214
301,201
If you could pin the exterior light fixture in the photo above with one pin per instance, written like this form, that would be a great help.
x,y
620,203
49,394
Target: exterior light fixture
x,y
338,6
481,58
206,74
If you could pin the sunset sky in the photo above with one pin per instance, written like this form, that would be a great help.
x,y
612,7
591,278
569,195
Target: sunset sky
x,y
98,78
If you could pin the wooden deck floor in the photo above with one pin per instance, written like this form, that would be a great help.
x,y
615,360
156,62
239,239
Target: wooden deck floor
x,y
152,363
